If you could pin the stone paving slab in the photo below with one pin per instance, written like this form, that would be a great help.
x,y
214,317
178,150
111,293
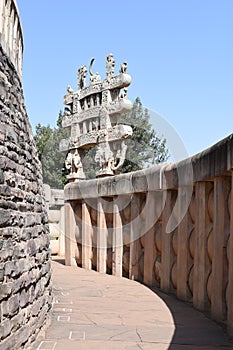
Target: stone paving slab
x,y
97,311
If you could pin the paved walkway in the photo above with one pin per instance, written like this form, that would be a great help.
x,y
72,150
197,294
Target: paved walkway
x,y
95,311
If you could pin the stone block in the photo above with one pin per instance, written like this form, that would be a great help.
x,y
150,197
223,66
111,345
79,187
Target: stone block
x,y
1,177
34,275
24,298
17,219
43,242
6,289
13,156
46,268
20,251
5,217
30,220
16,267
6,204
9,343
11,135
36,307
11,165
39,289
44,218
3,162
5,254
39,199
4,308
29,198
5,328
17,321
23,335
13,304
2,273
31,247
6,251
28,233
10,266
21,207
5,190
38,208
32,293
21,282
43,313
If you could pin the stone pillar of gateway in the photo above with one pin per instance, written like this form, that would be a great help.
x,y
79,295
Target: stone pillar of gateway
x,y
168,226
92,115
25,292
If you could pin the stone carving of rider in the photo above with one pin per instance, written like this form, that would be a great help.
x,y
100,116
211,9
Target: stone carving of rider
x,y
110,64
82,74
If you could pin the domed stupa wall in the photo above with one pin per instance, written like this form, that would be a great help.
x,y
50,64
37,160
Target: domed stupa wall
x,y
25,291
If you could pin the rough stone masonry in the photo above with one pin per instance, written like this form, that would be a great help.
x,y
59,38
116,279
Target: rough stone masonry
x,y
25,291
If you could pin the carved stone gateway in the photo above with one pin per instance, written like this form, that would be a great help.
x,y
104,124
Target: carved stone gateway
x,y
92,115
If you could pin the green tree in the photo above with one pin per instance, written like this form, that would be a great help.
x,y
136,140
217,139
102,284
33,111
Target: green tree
x,y
145,148
52,160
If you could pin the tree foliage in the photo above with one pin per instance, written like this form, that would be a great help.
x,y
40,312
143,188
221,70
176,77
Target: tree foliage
x,y
52,160
145,148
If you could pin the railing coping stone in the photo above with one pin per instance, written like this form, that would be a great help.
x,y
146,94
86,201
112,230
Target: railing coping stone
x,y
215,161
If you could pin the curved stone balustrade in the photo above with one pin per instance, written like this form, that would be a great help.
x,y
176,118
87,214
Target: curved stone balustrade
x,y
169,226
11,36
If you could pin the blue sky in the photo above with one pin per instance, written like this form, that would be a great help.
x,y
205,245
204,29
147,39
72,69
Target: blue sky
x,y
179,54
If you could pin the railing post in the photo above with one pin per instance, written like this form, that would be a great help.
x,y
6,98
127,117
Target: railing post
x,y
134,238
2,8
201,260
62,231
220,236
183,256
149,245
230,272
101,238
70,241
86,237
117,247
6,22
167,255
11,28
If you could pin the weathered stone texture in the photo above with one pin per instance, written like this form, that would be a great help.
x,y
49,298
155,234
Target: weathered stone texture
x,y
25,292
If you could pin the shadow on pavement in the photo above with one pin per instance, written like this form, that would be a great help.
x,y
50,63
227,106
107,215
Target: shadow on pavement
x,y
193,328
58,259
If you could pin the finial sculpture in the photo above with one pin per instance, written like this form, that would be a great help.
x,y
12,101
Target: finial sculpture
x,y
92,114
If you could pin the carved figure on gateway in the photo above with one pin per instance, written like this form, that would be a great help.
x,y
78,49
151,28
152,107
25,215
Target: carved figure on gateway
x,y
92,115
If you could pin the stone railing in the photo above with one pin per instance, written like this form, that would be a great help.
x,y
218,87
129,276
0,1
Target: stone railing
x,y
169,226
55,208
11,36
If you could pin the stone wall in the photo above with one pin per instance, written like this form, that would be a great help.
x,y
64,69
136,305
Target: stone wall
x,y
169,226
25,292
